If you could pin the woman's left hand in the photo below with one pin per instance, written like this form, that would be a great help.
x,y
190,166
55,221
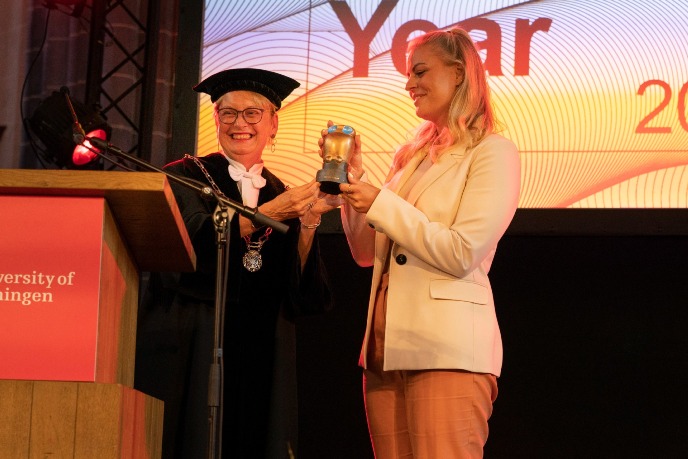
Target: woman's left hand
x,y
325,203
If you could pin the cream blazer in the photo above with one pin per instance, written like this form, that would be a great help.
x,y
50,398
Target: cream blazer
x,y
441,239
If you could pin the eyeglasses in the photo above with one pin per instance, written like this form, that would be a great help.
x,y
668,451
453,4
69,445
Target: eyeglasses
x,y
251,115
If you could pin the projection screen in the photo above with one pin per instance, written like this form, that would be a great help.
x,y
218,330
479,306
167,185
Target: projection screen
x,y
593,93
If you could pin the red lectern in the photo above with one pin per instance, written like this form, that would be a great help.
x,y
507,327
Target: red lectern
x,y
72,246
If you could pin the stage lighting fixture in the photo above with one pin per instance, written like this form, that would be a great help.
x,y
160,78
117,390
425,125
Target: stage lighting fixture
x,y
53,124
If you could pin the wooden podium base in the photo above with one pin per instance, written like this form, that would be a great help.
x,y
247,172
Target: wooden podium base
x,y
81,420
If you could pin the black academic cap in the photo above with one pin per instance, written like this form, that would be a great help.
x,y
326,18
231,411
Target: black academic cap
x,y
274,86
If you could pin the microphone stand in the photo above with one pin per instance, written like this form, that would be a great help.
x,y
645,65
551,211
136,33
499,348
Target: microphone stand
x,y
224,212
205,191
221,218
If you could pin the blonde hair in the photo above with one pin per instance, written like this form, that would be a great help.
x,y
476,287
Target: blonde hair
x,y
470,117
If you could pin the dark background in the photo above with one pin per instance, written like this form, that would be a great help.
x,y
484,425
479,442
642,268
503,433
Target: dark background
x,y
595,340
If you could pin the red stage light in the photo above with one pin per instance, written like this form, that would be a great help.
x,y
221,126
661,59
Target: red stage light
x,y
53,124
86,153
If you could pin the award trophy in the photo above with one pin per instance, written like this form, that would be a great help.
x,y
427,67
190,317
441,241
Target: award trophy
x,y
338,146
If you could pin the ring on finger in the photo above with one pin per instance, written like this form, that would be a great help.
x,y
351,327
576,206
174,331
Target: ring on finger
x,y
310,205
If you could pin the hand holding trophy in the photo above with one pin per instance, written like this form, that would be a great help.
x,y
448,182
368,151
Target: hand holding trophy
x,y
338,146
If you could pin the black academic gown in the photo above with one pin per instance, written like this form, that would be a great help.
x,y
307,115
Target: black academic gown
x,y
175,331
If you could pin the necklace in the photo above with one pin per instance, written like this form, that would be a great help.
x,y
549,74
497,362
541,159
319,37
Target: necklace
x,y
252,259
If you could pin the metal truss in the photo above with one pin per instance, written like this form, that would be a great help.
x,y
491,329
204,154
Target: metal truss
x,y
121,69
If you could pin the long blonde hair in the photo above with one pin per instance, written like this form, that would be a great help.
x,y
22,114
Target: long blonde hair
x,y
470,117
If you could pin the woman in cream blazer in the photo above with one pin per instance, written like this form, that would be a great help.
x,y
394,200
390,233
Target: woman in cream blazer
x,y
430,234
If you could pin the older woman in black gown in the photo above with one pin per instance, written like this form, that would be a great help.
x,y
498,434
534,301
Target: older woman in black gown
x,y
273,279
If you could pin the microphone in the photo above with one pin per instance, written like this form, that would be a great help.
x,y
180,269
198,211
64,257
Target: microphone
x,y
88,151
78,134
84,152
98,143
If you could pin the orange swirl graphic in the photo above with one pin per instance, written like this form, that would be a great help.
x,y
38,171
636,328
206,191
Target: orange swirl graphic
x,y
599,115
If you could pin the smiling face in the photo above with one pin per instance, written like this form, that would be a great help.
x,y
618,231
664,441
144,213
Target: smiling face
x,y
240,140
432,83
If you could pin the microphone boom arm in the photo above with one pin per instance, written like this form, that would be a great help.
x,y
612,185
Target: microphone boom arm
x,y
79,137
251,213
